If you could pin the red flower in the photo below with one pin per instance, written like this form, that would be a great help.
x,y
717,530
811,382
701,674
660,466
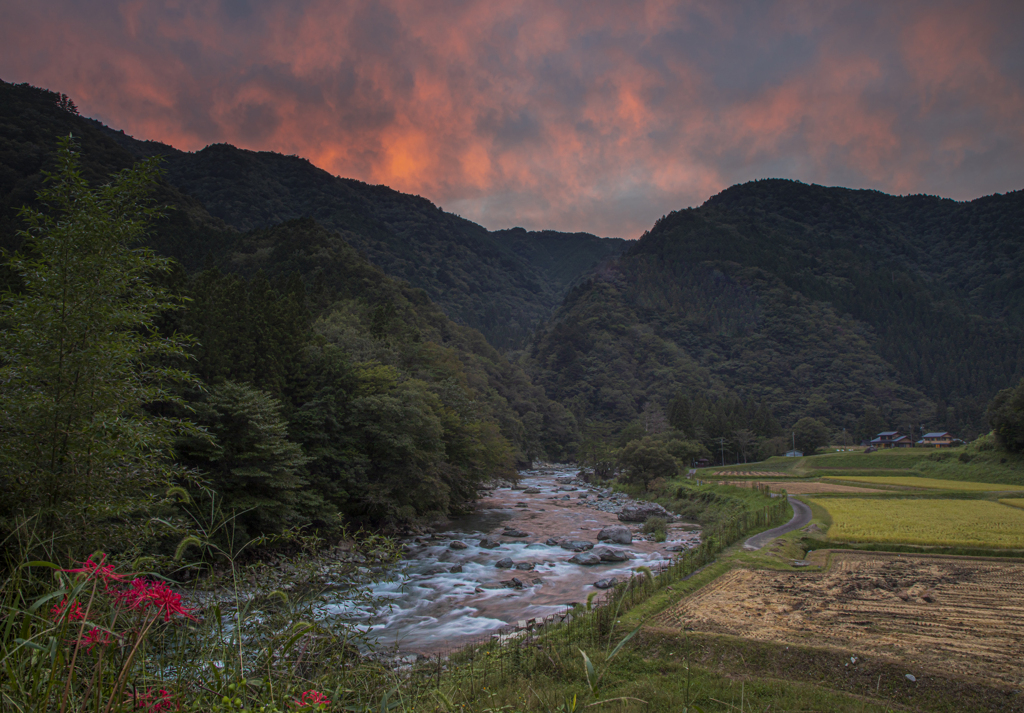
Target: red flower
x,y
152,700
313,698
144,593
98,570
74,612
96,637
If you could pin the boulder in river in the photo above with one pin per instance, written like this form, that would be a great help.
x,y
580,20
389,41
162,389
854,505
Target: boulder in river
x,y
576,545
457,545
616,534
515,583
607,554
504,563
489,543
513,532
639,512
551,542
587,558
532,491
456,569
524,565
606,583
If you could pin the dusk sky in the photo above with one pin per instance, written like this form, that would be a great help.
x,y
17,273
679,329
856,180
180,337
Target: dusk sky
x,y
593,116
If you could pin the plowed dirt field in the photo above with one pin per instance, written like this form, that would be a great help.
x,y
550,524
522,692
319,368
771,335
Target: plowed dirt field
x,y
959,614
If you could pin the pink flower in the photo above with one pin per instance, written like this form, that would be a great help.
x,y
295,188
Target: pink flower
x,y
143,593
313,698
98,570
74,612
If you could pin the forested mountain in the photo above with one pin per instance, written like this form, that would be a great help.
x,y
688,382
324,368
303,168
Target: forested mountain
x,y
502,283
332,392
821,302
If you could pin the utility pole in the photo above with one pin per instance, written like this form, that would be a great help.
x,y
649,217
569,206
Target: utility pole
x,y
722,443
794,441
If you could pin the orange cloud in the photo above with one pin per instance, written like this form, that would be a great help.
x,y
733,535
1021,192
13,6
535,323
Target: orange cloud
x,y
596,116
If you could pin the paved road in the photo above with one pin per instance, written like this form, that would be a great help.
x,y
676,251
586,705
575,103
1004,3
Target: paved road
x,y
801,516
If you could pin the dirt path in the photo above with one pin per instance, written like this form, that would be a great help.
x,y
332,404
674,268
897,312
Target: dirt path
x,y
801,516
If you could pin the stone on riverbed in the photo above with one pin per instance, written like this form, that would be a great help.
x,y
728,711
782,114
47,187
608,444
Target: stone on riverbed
x,y
587,558
607,554
457,545
456,569
576,545
515,583
639,512
532,491
616,534
606,583
513,532
524,565
504,563
551,542
489,543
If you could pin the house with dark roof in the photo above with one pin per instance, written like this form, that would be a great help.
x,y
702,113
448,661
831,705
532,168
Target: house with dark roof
x,y
937,439
891,439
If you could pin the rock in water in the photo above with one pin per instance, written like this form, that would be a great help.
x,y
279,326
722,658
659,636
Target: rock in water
x,y
532,491
607,583
458,545
576,545
489,543
639,512
607,554
513,532
504,563
524,565
587,558
551,542
456,569
616,534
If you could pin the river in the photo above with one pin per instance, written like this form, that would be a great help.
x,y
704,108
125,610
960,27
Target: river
x,y
447,595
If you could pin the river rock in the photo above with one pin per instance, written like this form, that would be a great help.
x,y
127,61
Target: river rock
x,y
489,543
587,558
456,569
524,565
504,563
616,534
434,570
515,583
576,545
551,542
513,532
521,505
607,554
566,497
532,491
606,583
457,545
639,512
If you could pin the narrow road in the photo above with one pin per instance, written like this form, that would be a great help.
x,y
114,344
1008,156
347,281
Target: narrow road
x,y
801,516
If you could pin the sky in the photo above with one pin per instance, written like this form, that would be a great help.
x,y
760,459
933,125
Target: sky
x,y
578,116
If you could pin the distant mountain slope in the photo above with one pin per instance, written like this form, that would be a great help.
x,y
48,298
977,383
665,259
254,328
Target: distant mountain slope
x,y
501,283
817,301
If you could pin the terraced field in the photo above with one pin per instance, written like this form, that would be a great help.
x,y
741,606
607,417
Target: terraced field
x,y
955,614
803,488
929,483
969,523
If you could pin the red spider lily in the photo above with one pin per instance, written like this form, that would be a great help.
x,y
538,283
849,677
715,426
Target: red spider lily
x,y
153,700
99,570
143,594
96,637
74,612
313,698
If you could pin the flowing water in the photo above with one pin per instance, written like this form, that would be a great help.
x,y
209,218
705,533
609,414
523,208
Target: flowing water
x,y
433,608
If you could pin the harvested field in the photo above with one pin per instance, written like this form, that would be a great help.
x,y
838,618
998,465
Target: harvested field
x,y
751,474
798,488
931,483
969,523
958,614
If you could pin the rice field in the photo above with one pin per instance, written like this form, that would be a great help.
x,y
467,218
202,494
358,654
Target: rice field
x,y
1013,502
970,523
934,483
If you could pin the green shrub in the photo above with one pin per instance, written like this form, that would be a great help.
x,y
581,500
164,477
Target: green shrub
x,y
658,527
